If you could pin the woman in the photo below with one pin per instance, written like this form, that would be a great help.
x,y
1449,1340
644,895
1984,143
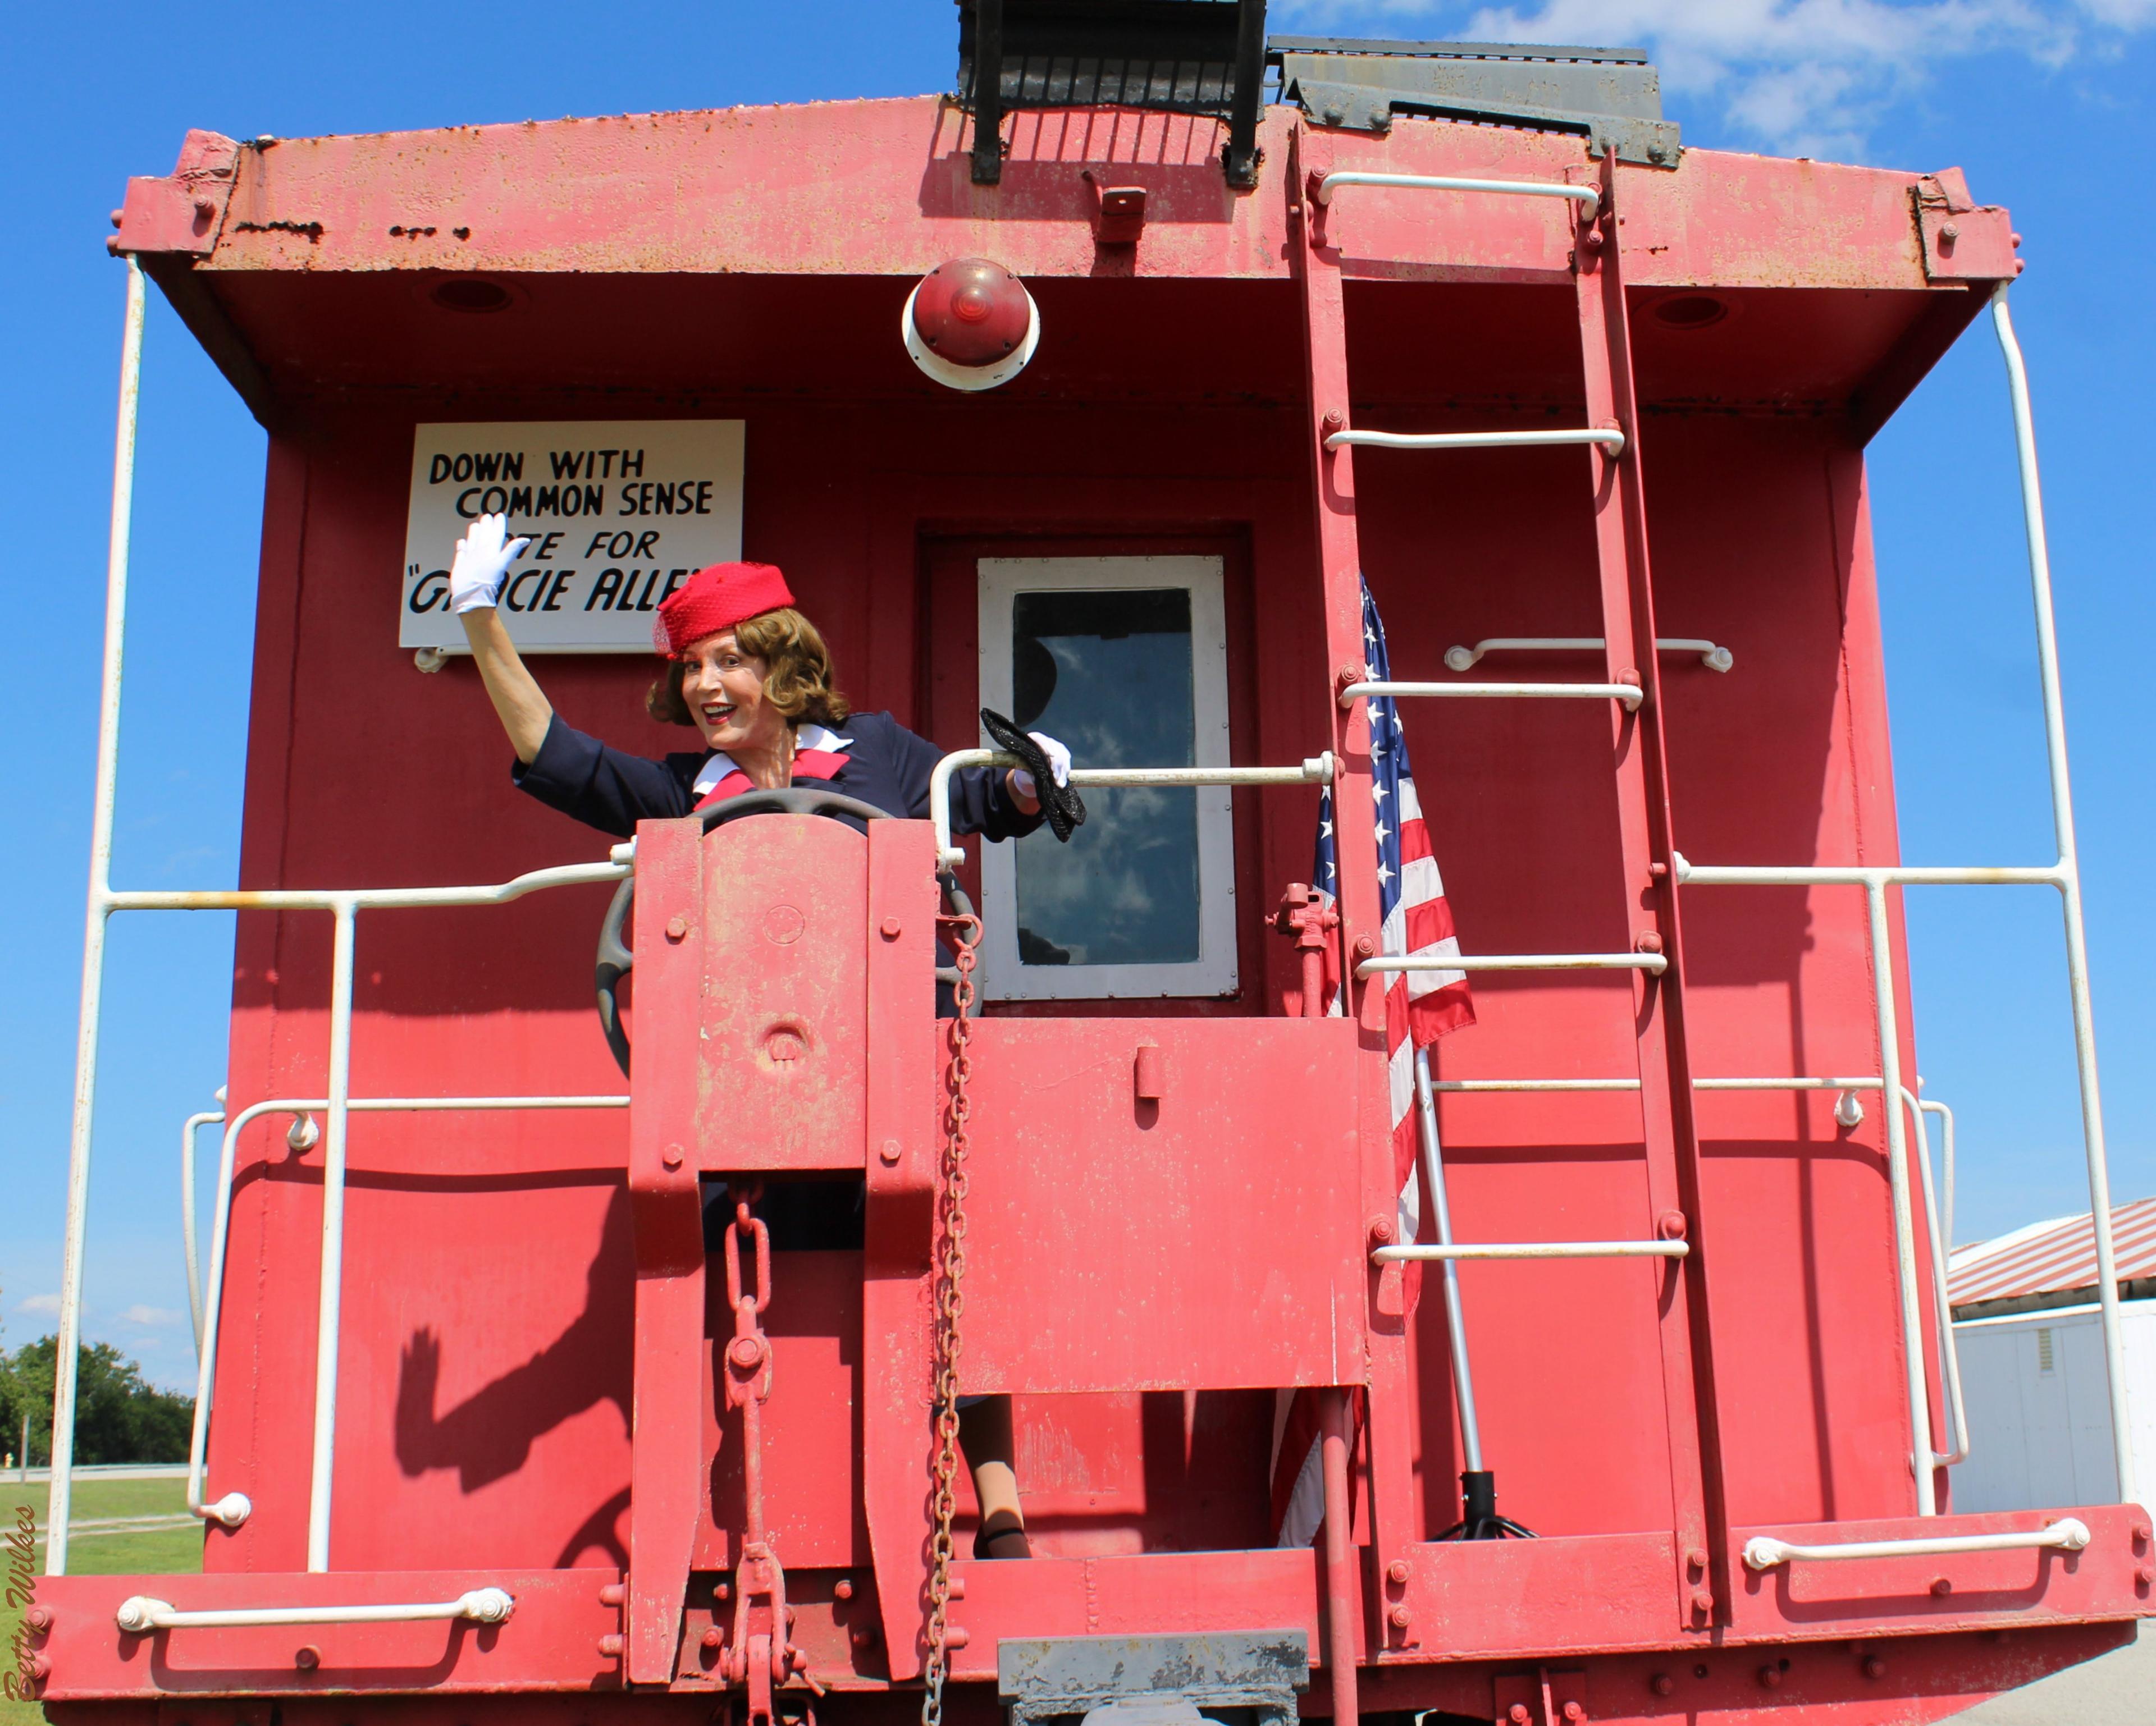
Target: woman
x,y
752,675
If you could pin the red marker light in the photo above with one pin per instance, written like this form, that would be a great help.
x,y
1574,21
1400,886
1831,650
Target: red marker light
x,y
970,324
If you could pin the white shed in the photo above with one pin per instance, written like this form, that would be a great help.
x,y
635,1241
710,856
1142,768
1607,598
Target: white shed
x,y
2031,1351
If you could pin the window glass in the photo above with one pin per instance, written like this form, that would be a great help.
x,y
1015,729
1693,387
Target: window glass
x,y
1109,672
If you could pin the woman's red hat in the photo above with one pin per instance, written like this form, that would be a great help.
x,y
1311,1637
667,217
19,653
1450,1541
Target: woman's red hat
x,y
716,598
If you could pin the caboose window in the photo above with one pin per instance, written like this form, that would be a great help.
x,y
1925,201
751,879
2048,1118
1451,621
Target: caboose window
x,y
1124,660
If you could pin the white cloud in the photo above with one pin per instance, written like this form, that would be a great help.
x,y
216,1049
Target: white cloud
x,y
40,1303
156,1318
1810,77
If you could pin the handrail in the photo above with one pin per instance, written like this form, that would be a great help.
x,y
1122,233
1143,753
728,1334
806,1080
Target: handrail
x,y
234,1509
367,898
60,1503
1447,182
2070,892
187,1129
1532,1249
1630,694
141,1614
1875,879
1653,963
1316,770
2069,1533
1941,1307
1714,658
1692,874
1947,1157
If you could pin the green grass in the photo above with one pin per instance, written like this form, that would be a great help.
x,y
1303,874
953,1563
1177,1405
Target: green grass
x,y
97,1552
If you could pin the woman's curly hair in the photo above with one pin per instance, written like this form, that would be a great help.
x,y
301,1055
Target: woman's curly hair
x,y
797,678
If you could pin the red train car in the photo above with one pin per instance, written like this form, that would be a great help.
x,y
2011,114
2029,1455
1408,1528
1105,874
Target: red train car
x,y
1640,1260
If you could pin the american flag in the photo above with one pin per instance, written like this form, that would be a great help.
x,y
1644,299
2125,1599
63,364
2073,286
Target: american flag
x,y
1420,1006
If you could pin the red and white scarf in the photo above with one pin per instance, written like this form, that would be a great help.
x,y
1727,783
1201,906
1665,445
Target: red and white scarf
x,y
819,753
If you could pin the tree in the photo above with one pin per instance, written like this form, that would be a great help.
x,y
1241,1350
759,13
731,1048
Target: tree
x,y
119,1415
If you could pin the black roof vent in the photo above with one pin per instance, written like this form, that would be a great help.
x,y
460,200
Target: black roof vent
x,y
1202,57
1611,95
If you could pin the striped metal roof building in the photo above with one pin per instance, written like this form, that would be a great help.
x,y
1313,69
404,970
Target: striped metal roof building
x,y
2052,1257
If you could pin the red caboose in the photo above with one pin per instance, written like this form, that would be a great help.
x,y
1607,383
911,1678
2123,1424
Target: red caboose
x,y
1604,1344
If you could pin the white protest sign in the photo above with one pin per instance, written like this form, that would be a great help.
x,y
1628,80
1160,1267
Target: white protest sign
x,y
619,513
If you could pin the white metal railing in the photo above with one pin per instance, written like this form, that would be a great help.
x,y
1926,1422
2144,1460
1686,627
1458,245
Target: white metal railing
x,y
194,1123
1847,1110
1946,1158
1942,1306
2069,1533
234,1509
102,899
1445,182
1630,694
1653,963
1317,769
2065,876
1532,1249
140,1614
1465,658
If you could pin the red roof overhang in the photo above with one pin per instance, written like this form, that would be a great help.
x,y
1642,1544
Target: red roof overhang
x,y
765,248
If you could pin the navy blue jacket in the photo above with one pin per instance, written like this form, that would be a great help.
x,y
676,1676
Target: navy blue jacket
x,y
887,765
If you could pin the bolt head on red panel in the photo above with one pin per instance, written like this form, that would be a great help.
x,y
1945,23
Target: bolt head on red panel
x,y
970,324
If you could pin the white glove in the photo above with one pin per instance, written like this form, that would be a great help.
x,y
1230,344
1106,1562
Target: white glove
x,y
482,561
1059,765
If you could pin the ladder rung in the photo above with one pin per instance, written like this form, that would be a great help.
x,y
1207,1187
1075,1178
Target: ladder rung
x,y
1608,436
1628,694
1656,963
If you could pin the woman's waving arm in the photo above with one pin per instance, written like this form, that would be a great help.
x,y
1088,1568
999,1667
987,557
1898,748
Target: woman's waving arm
x,y
483,555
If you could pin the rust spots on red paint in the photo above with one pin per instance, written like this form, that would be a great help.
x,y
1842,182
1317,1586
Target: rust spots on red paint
x,y
313,230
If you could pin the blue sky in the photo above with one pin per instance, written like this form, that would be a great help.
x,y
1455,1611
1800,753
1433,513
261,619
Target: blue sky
x,y
2047,107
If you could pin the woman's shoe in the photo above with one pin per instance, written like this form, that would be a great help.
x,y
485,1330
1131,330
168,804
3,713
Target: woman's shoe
x,y
1003,1535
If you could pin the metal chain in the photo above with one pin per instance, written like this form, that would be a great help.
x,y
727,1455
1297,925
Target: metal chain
x,y
949,1306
